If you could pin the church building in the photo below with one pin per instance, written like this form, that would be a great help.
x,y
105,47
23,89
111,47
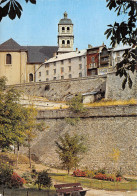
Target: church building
x,y
19,63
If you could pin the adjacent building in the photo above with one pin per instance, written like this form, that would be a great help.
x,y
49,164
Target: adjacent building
x,y
63,66
19,63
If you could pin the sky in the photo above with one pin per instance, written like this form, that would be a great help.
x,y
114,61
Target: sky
x,y
38,25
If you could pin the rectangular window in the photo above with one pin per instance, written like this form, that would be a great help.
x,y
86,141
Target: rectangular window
x,y
69,68
70,76
54,70
39,73
46,65
80,66
80,74
54,63
62,77
62,62
54,78
62,69
47,79
69,60
47,72
79,58
93,59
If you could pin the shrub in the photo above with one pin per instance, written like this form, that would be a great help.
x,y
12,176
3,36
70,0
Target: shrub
x,y
16,180
79,173
27,177
89,173
101,171
107,177
43,179
6,172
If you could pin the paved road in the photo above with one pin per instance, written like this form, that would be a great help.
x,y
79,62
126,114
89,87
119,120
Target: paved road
x,y
93,192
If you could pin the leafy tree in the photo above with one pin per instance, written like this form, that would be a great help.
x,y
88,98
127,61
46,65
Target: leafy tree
x,y
43,179
69,149
75,104
125,33
30,126
17,123
12,8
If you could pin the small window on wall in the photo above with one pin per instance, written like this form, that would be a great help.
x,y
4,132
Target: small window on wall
x,y
62,77
8,58
68,28
93,59
80,74
30,77
39,73
70,76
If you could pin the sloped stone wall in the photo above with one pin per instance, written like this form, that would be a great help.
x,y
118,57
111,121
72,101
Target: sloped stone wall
x,y
114,89
60,90
104,128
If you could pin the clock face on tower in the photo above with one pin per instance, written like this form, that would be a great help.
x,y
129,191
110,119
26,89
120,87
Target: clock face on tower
x,y
65,35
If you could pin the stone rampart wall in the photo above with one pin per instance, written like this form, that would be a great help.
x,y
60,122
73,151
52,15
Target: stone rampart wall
x,y
105,129
114,89
60,90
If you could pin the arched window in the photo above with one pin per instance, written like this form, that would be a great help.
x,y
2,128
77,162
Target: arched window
x,y
68,28
8,58
68,42
63,28
30,77
63,41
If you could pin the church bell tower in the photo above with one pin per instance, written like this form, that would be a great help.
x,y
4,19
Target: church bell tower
x,y
65,35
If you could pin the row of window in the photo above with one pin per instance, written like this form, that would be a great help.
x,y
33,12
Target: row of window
x,y
63,29
68,42
62,62
62,70
62,77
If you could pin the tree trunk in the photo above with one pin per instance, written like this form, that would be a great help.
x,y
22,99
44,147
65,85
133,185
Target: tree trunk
x,y
17,155
29,153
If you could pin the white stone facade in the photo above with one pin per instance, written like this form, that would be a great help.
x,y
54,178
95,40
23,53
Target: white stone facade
x,y
63,66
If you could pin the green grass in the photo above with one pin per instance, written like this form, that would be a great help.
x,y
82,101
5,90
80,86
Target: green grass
x,y
96,184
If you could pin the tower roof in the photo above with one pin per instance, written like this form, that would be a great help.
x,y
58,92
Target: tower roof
x,y
65,20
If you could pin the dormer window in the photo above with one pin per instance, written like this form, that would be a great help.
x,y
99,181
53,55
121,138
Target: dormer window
x,y
8,59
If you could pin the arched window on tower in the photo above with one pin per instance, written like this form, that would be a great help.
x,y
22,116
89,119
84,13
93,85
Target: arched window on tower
x,y
63,29
68,42
63,42
68,29
8,59
30,77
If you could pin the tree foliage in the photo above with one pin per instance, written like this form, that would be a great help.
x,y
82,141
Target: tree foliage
x,y
44,179
12,117
12,8
125,33
75,104
69,149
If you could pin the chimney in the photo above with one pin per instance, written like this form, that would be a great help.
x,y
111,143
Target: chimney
x,y
54,54
76,49
89,46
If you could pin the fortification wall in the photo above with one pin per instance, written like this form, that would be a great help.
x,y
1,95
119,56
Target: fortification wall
x,y
105,129
60,90
114,89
